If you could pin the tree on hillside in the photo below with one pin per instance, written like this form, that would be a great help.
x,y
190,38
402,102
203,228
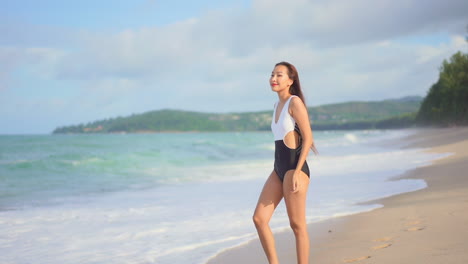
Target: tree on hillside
x,y
447,100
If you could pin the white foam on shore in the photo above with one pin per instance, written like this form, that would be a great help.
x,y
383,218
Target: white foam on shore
x,y
185,222
197,211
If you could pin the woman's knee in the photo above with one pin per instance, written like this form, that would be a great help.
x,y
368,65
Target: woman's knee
x,y
298,227
259,221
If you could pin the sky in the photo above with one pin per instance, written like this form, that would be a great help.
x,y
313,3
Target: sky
x,y
70,62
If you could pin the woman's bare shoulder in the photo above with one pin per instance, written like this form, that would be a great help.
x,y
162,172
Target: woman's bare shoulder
x,y
296,103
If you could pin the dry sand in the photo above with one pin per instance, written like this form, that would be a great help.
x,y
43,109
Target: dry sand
x,y
426,226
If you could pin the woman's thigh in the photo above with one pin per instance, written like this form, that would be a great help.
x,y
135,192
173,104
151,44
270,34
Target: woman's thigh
x,y
295,202
270,197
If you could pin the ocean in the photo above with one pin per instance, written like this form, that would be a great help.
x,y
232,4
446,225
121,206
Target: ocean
x,y
175,197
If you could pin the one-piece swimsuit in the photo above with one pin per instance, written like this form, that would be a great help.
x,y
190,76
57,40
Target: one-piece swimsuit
x,y
286,158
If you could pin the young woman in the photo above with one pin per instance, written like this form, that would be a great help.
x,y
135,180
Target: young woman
x,y
290,176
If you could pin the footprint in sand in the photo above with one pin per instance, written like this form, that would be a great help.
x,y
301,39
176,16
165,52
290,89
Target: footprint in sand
x,y
416,228
383,239
355,259
414,223
381,246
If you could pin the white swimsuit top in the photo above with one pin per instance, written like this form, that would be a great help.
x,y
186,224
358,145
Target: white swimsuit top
x,y
286,122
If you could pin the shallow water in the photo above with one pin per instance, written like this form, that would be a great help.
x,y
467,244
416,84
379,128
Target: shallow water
x,y
173,198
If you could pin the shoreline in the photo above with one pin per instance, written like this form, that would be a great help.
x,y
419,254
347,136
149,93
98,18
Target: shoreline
x,y
423,226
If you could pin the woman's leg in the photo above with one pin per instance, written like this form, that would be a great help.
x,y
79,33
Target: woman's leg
x,y
270,197
295,206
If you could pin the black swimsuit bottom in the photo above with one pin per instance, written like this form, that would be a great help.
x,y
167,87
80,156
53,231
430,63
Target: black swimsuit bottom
x,y
286,159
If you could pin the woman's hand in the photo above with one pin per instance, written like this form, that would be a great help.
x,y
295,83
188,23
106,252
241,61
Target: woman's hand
x,y
296,182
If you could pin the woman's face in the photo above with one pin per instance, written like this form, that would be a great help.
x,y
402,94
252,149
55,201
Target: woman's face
x,y
279,79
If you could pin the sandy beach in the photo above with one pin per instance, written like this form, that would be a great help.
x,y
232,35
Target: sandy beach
x,y
425,226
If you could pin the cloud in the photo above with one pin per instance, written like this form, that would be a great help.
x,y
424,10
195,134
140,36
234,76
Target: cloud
x,y
344,50
39,61
221,40
337,23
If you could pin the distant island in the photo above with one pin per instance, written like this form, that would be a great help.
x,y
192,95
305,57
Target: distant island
x,y
392,113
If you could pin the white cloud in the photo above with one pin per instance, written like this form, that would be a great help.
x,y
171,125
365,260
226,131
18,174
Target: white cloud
x,y
344,50
39,61
219,40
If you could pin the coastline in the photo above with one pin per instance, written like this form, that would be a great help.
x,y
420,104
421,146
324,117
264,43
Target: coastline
x,y
424,226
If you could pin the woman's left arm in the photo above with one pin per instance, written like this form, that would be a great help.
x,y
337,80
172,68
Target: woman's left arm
x,y
299,113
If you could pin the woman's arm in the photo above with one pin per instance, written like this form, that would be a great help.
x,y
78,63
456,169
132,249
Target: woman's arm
x,y
299,113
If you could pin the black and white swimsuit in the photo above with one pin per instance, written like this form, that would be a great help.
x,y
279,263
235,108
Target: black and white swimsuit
x,y
286,158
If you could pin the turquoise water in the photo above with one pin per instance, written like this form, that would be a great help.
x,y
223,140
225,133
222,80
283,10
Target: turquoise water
x,y
41,169
172,198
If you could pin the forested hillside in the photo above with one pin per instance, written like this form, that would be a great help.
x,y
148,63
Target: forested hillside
x,y
350,115
446,103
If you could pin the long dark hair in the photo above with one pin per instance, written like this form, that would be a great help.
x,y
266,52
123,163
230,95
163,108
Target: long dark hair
x,y
295,88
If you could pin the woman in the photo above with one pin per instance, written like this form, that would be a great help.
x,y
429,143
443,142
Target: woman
x,y
290,176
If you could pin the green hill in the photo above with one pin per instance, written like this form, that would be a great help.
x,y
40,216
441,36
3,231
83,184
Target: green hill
x,y
351,115
392,113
